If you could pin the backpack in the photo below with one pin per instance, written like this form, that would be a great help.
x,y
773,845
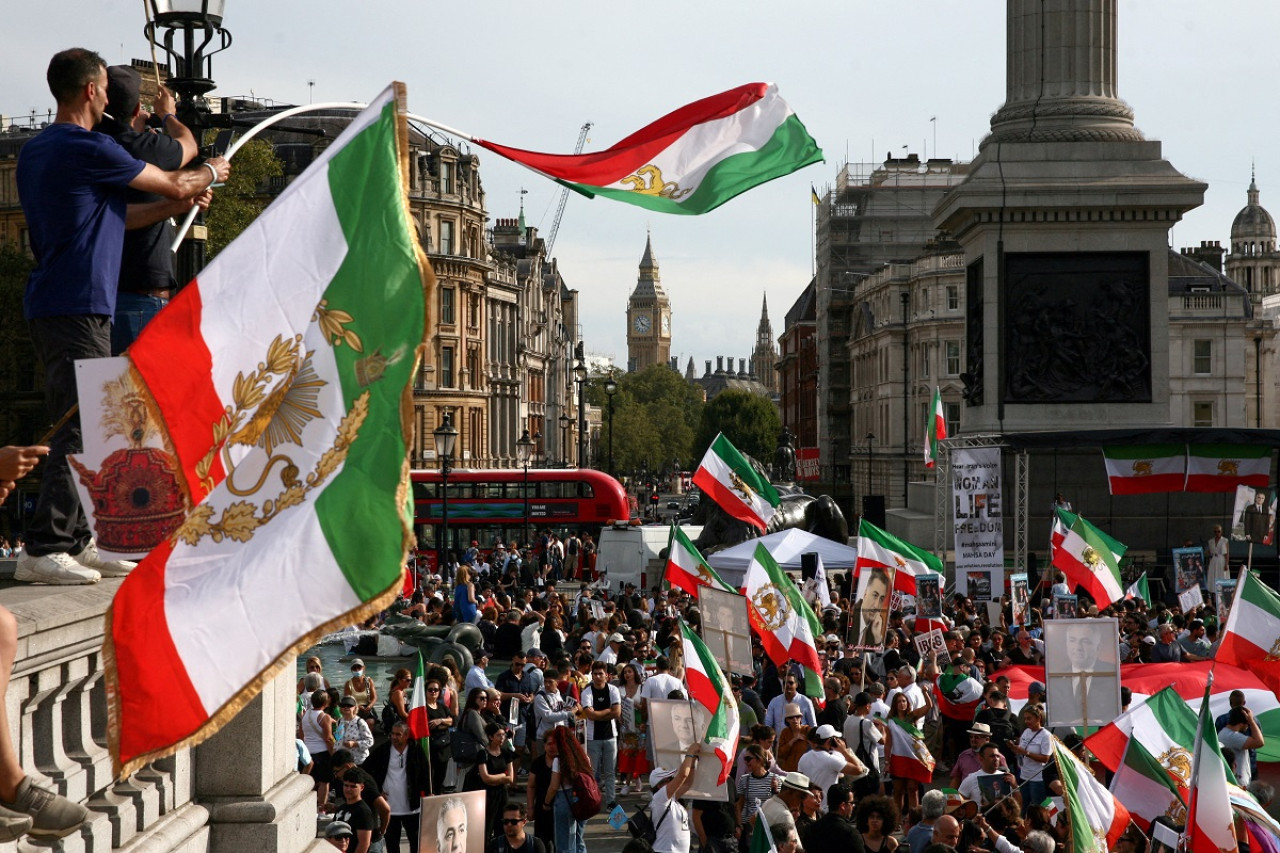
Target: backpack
x,y
868,785
1001,723
389,717
466,749
584,796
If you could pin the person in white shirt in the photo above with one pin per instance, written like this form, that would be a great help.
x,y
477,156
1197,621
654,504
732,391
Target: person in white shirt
x,y
828,759
862,729
669,816
1241,734
476,676
774,714
610,653
601,707
989,765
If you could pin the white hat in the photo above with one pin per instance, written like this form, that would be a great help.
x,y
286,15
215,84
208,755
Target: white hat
x,y
795,781
825,732
660,775
615,638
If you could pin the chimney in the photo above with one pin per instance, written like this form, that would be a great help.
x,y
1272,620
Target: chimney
x,y
742,367
708,373
719,364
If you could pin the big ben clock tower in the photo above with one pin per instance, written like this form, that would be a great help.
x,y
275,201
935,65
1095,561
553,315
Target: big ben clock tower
x,y
648,317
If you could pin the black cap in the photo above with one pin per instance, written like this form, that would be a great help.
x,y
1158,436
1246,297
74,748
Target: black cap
x,y
123,88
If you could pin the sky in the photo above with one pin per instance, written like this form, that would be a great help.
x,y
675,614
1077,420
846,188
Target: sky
x,y
866,78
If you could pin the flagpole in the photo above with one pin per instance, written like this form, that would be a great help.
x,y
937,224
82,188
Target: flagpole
x,y
688,692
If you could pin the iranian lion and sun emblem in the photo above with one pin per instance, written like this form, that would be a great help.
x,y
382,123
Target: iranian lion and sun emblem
x,y
771,606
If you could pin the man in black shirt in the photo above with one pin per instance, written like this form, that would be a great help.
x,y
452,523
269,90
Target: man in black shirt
x,y
371,793
835,831
513,838
354,812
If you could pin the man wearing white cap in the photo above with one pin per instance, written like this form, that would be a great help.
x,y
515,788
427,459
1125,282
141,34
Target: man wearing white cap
x,y
828,759
669,816
610,653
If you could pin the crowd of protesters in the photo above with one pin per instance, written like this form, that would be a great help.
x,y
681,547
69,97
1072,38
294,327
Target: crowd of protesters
x,y
577,664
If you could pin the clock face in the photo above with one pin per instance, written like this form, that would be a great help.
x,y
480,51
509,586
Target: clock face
x,y
666,324
641,323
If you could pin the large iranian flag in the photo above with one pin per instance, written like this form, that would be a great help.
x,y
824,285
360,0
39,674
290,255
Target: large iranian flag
x,y
1252,632
692,160
1139,469
283,376
783,620
1223,467
909,758
728,478
1096,818
935,429
1210,821
1087,556
710,689
686,568
879,549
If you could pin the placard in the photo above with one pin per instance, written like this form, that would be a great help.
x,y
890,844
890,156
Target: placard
x,y
453,823
871,609
1254,515
976,486
931,643
928,596
1188,568
1065,606
675,725
1082,671
979,585
1020,595
725,628
993,613
1226,594
1191,598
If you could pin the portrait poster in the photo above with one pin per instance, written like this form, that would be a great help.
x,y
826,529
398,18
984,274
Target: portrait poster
x,y
1020,595
1190,599
1065,606
976,488
597,608
675,725
1082,671
979,584
1188,568
725,628
928,596
871,608
126,478
1226,594
993,787
452,823
1254,516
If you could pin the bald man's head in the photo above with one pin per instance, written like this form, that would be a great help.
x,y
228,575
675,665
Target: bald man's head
x,y
946,830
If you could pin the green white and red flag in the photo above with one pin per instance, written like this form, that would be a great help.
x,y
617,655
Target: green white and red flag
x,y
1139,589
1210,820
1140,469
783,620
879,549
297,345
909,758
725,476
935,429
710,689
1252,631
1096,818
761,837
1146,788
692,160
1223,467
419,724
1088,557
686,567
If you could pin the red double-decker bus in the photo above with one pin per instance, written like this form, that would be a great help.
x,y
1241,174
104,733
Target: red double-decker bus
x,y
488,506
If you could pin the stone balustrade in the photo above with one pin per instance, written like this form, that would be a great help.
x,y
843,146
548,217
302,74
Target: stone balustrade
x,y
238,791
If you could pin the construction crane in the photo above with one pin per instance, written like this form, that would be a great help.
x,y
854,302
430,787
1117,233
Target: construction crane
x,y
564,195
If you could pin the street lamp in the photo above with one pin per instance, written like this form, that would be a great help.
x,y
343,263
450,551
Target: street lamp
x,y
610,388
565,420
524,451
445,438
580,376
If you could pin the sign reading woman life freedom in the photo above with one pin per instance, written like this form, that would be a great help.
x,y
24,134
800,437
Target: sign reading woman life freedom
x,y
976,485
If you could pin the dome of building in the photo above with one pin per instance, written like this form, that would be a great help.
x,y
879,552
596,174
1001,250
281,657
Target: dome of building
x,y
1253,230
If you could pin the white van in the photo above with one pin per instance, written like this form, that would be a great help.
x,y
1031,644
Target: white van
x,y
630,553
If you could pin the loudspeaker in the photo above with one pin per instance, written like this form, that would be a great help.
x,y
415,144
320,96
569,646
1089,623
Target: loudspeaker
x,y
873,509
809,565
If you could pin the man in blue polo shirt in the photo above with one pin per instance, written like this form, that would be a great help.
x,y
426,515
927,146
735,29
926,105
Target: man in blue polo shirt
x,y
71,182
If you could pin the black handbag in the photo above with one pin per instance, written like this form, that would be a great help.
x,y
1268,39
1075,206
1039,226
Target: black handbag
x,y
641,826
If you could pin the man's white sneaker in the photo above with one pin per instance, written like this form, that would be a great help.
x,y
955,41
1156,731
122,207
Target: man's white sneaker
x,y
53,569
91,559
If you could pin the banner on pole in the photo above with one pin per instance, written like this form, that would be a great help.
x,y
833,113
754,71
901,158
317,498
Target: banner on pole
x,y
976,487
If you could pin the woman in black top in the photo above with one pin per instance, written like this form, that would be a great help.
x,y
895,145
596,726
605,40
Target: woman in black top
x,y
492,775
439,719
544,819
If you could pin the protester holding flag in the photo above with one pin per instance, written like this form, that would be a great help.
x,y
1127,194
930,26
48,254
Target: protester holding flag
x,y
668,814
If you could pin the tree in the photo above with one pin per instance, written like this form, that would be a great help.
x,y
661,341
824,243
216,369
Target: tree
x,y
748,420
239,201
655,415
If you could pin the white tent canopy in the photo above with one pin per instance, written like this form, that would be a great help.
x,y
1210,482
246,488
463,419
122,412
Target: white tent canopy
x,y
785,546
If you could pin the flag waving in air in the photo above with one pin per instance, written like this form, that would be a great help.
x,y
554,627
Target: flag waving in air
x,y
1252,630
1139,589
1210,821
935,429
880,549
729,479
1087,556
1097,818
785,624
298,344
710,689
419,725
686,568
692,160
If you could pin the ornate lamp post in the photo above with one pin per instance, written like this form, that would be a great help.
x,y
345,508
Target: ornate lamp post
x,y
565,420
524,451
445,438
610,388
580,376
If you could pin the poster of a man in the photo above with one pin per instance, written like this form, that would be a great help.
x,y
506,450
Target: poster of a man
x,y
1258,515
452,823
1020,593
1082,671
1188,566
675,725
1065,607
872,607
928,596
725,628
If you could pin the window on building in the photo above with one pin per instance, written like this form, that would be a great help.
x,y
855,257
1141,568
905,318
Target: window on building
x,y
953,297
447,313
953,357
1202,357
924,361
951,414
473,309
1202,414
446,177
446,237
446,367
